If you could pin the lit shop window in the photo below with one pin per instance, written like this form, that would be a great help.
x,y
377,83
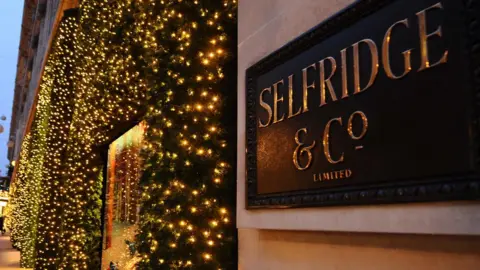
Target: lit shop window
x,y
122,200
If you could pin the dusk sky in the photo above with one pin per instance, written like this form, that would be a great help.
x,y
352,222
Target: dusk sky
x,y
10,25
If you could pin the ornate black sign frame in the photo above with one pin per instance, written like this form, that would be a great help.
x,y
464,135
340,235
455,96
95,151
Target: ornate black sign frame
x,y
458,187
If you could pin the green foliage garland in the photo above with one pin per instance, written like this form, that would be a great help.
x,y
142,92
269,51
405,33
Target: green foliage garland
x,y
188,185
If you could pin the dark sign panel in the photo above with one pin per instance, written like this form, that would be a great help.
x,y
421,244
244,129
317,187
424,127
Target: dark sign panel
x,y
376,105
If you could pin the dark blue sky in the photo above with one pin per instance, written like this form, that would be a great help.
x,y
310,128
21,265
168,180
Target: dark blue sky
x,y
11,12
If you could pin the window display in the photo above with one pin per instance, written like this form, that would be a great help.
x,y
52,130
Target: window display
x,y
122,200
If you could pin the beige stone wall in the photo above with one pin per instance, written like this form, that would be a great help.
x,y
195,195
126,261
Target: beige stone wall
x,y
410,236
278,250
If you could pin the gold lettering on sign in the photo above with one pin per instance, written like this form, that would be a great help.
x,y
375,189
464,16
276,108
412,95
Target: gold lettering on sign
x,y
266,107
343,54
356,64
328,66
290,99
325,82
422,25
307,86
386,53
326,141
333,175
277,100
306,149
350,125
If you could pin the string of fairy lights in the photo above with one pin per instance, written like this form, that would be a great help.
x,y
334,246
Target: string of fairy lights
x,y
59,120
186,167
17,209
107,64
36,183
